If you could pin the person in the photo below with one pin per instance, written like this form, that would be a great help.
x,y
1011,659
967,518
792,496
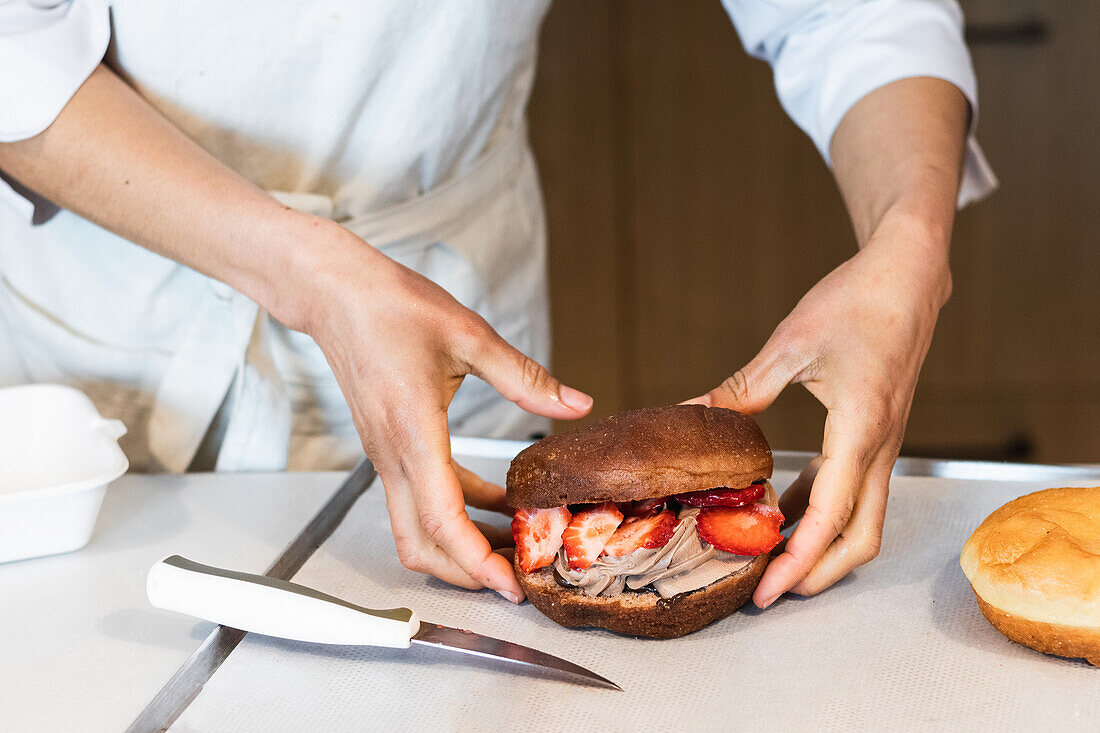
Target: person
x,y
288,231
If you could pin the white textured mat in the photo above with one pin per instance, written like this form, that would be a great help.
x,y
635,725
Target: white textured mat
x,y
899,645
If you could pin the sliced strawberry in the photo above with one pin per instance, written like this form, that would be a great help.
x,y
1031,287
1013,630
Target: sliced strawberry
x,y
635,533
723,496
644,508
743,530
537,533
588,532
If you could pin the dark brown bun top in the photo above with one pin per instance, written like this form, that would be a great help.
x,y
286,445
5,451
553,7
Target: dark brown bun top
x,y
641,454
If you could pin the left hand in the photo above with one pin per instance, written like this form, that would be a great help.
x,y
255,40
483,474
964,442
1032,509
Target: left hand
x,y
856,341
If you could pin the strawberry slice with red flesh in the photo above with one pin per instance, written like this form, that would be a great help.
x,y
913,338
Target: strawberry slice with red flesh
x,y
723,496
654,530
643,508
537,533
588,532
752,529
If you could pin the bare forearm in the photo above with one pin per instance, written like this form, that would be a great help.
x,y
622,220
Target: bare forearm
x,y
858,338
897,157
111,158
398,344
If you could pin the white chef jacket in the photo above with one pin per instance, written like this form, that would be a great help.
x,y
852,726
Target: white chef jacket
x,y
402,120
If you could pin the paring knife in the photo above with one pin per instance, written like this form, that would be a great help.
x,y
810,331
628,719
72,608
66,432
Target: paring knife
x,y
287,610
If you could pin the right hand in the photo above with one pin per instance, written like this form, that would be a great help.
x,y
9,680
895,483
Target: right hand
x,y
400,346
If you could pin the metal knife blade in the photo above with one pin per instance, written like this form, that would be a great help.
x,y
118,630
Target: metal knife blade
x,y
468,642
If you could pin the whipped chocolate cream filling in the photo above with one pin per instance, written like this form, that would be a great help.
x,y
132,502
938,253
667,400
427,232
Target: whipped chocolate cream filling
x,y
685,563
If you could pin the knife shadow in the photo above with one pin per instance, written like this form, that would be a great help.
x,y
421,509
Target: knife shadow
x,y
415,657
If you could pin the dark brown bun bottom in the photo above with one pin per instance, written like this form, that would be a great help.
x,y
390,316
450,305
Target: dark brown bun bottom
x,y
1063,641
642,613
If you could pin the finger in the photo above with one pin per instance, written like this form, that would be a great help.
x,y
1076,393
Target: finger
x,y
521,379
508,553
414,549
441,507
498,537
755,386
796,498
480,493
859,542
847,455
428,558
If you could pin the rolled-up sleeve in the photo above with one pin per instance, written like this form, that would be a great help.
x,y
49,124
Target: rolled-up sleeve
x,y
47,49
827,55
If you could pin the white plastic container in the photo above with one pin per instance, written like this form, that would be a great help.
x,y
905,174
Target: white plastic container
x,y
57,456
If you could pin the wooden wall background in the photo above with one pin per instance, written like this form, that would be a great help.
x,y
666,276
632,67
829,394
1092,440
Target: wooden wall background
x,y
687,215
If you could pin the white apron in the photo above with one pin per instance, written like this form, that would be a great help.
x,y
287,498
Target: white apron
x,y
199,374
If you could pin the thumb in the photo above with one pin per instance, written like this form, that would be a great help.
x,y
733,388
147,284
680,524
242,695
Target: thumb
x,y
755,386
521,379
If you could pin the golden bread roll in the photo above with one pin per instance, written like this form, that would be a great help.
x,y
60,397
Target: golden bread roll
x,y
1034,565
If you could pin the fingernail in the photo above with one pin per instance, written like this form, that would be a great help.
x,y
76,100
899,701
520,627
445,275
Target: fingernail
x,y
770,601
574,398
509,596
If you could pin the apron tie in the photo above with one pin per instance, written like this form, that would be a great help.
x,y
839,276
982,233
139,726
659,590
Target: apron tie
x,y
199,376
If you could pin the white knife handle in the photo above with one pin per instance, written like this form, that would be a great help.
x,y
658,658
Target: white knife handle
x,y
273,607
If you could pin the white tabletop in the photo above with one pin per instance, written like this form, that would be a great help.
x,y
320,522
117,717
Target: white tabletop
x,y
81,649
897,646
